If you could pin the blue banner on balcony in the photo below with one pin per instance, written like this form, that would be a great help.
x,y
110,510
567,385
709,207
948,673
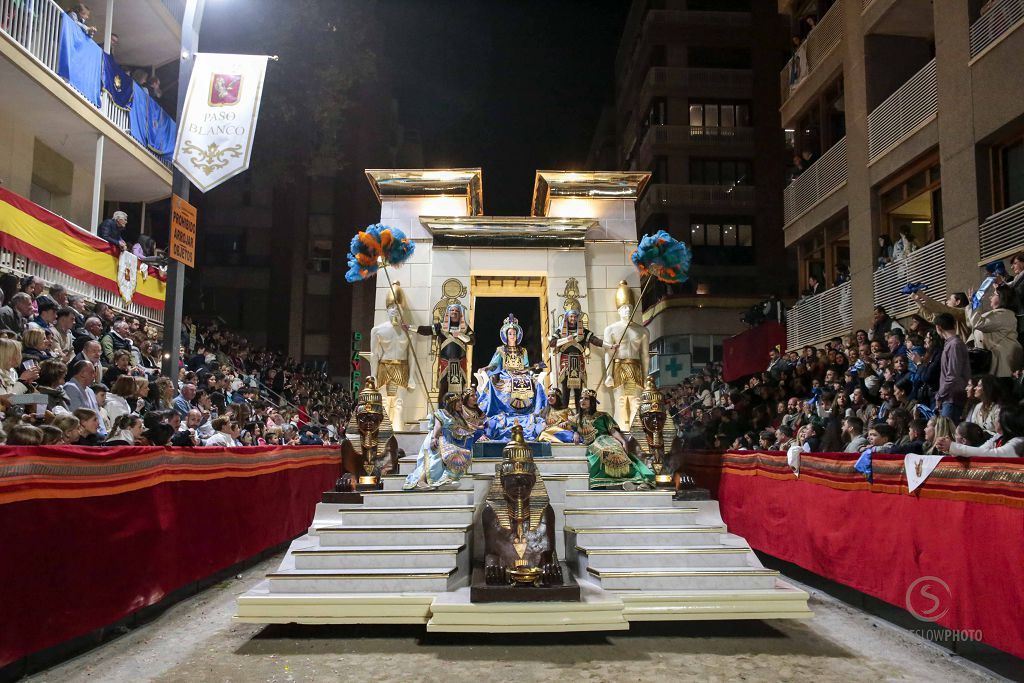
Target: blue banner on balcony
x,y
150,124
79,60
117,83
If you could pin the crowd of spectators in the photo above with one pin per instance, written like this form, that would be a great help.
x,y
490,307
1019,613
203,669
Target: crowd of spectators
x,y
949,380
77,373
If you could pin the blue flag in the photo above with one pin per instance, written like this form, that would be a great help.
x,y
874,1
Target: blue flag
x,y
117,83
151,125
79,60
138,118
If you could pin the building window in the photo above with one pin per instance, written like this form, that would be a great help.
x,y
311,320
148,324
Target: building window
x,y
722,241
719,114
319,260
727,172
657,113
1008,162
913,201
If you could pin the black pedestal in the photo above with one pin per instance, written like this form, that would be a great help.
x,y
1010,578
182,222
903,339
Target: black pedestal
x,y
479,591
692,494
336,497
484,450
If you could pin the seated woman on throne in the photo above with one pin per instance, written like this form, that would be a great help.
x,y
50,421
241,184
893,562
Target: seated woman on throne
x,y
611,466
511,393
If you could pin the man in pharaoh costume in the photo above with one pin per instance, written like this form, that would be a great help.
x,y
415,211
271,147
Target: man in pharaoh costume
x,y
510,393
519,523
572,346
628,358
447,451
453,337
392,351
610,465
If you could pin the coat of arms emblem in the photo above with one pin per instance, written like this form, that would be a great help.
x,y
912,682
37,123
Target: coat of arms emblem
x,y
127,275
225,89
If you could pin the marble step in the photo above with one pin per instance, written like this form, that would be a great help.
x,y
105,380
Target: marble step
x,y
442,516
697,578
624,536
619,499
405,535
631,557
417,498
631,516
381,557
567,465
395,483
400,580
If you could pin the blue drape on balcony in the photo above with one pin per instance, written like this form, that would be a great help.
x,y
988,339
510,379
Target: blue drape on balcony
x,y
80,60
117,83
151,125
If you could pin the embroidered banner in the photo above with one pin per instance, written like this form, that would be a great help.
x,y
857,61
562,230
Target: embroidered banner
x,y
219,119
117,83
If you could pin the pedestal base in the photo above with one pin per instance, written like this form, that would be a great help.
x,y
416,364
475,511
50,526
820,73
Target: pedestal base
x,y
479,591
692,494
342,497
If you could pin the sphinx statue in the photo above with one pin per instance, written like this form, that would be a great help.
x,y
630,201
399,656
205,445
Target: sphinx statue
x,y
519,523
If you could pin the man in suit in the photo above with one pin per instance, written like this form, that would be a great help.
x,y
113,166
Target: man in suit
x,y
15,316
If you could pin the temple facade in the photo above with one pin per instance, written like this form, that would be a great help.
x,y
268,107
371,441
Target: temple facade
x,y
574,247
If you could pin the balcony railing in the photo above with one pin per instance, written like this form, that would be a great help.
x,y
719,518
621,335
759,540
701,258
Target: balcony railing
x,y
661,197
817,318
903,113
1003,16
700,137
820,42
823,178
926,265
35,25
1002,234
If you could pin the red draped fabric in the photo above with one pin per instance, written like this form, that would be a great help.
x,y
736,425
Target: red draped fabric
x,y
90,536
747,352
964,526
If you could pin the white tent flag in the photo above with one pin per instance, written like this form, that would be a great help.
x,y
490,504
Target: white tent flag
x,y
918,468
219,119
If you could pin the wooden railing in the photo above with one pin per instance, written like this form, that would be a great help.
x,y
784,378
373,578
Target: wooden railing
x,y
820,180
820,42
1002,17
903,113
816,318
926,265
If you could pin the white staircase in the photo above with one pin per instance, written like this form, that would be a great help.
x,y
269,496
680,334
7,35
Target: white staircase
x,y
406,557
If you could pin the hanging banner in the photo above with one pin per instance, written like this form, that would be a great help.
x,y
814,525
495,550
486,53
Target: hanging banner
x,y
127,275
219,119
918,468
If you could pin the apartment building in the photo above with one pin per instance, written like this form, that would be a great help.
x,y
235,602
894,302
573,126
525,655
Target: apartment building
x,y
696,105
909,116
72,152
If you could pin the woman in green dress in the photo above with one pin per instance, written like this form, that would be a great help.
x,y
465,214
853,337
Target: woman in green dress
x,y
610,465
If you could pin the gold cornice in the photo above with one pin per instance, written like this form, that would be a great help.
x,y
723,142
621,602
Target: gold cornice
x,y
407,183
507,231
586,185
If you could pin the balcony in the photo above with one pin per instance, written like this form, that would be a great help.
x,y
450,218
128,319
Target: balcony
x,y
703,138
1000,19
820,43
903,113
825,176
724,197
814,319
35,28
672,80
926,265
1002,234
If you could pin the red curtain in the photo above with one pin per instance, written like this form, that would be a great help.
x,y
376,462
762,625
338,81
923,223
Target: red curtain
x,y
881,543
74,564
747,352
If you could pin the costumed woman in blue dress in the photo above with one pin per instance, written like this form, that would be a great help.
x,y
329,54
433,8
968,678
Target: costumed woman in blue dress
x,y
447,452
512,395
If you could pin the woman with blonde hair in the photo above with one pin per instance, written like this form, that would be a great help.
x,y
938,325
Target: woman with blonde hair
x,y
10,359
938,428
70,425
35,346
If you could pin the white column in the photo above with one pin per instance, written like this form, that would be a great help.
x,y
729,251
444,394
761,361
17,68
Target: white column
x,y
97,185
108,24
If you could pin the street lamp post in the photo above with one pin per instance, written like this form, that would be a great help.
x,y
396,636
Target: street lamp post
x,y
180,186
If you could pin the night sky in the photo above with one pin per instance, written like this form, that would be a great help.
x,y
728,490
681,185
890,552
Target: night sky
x,y
510,86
